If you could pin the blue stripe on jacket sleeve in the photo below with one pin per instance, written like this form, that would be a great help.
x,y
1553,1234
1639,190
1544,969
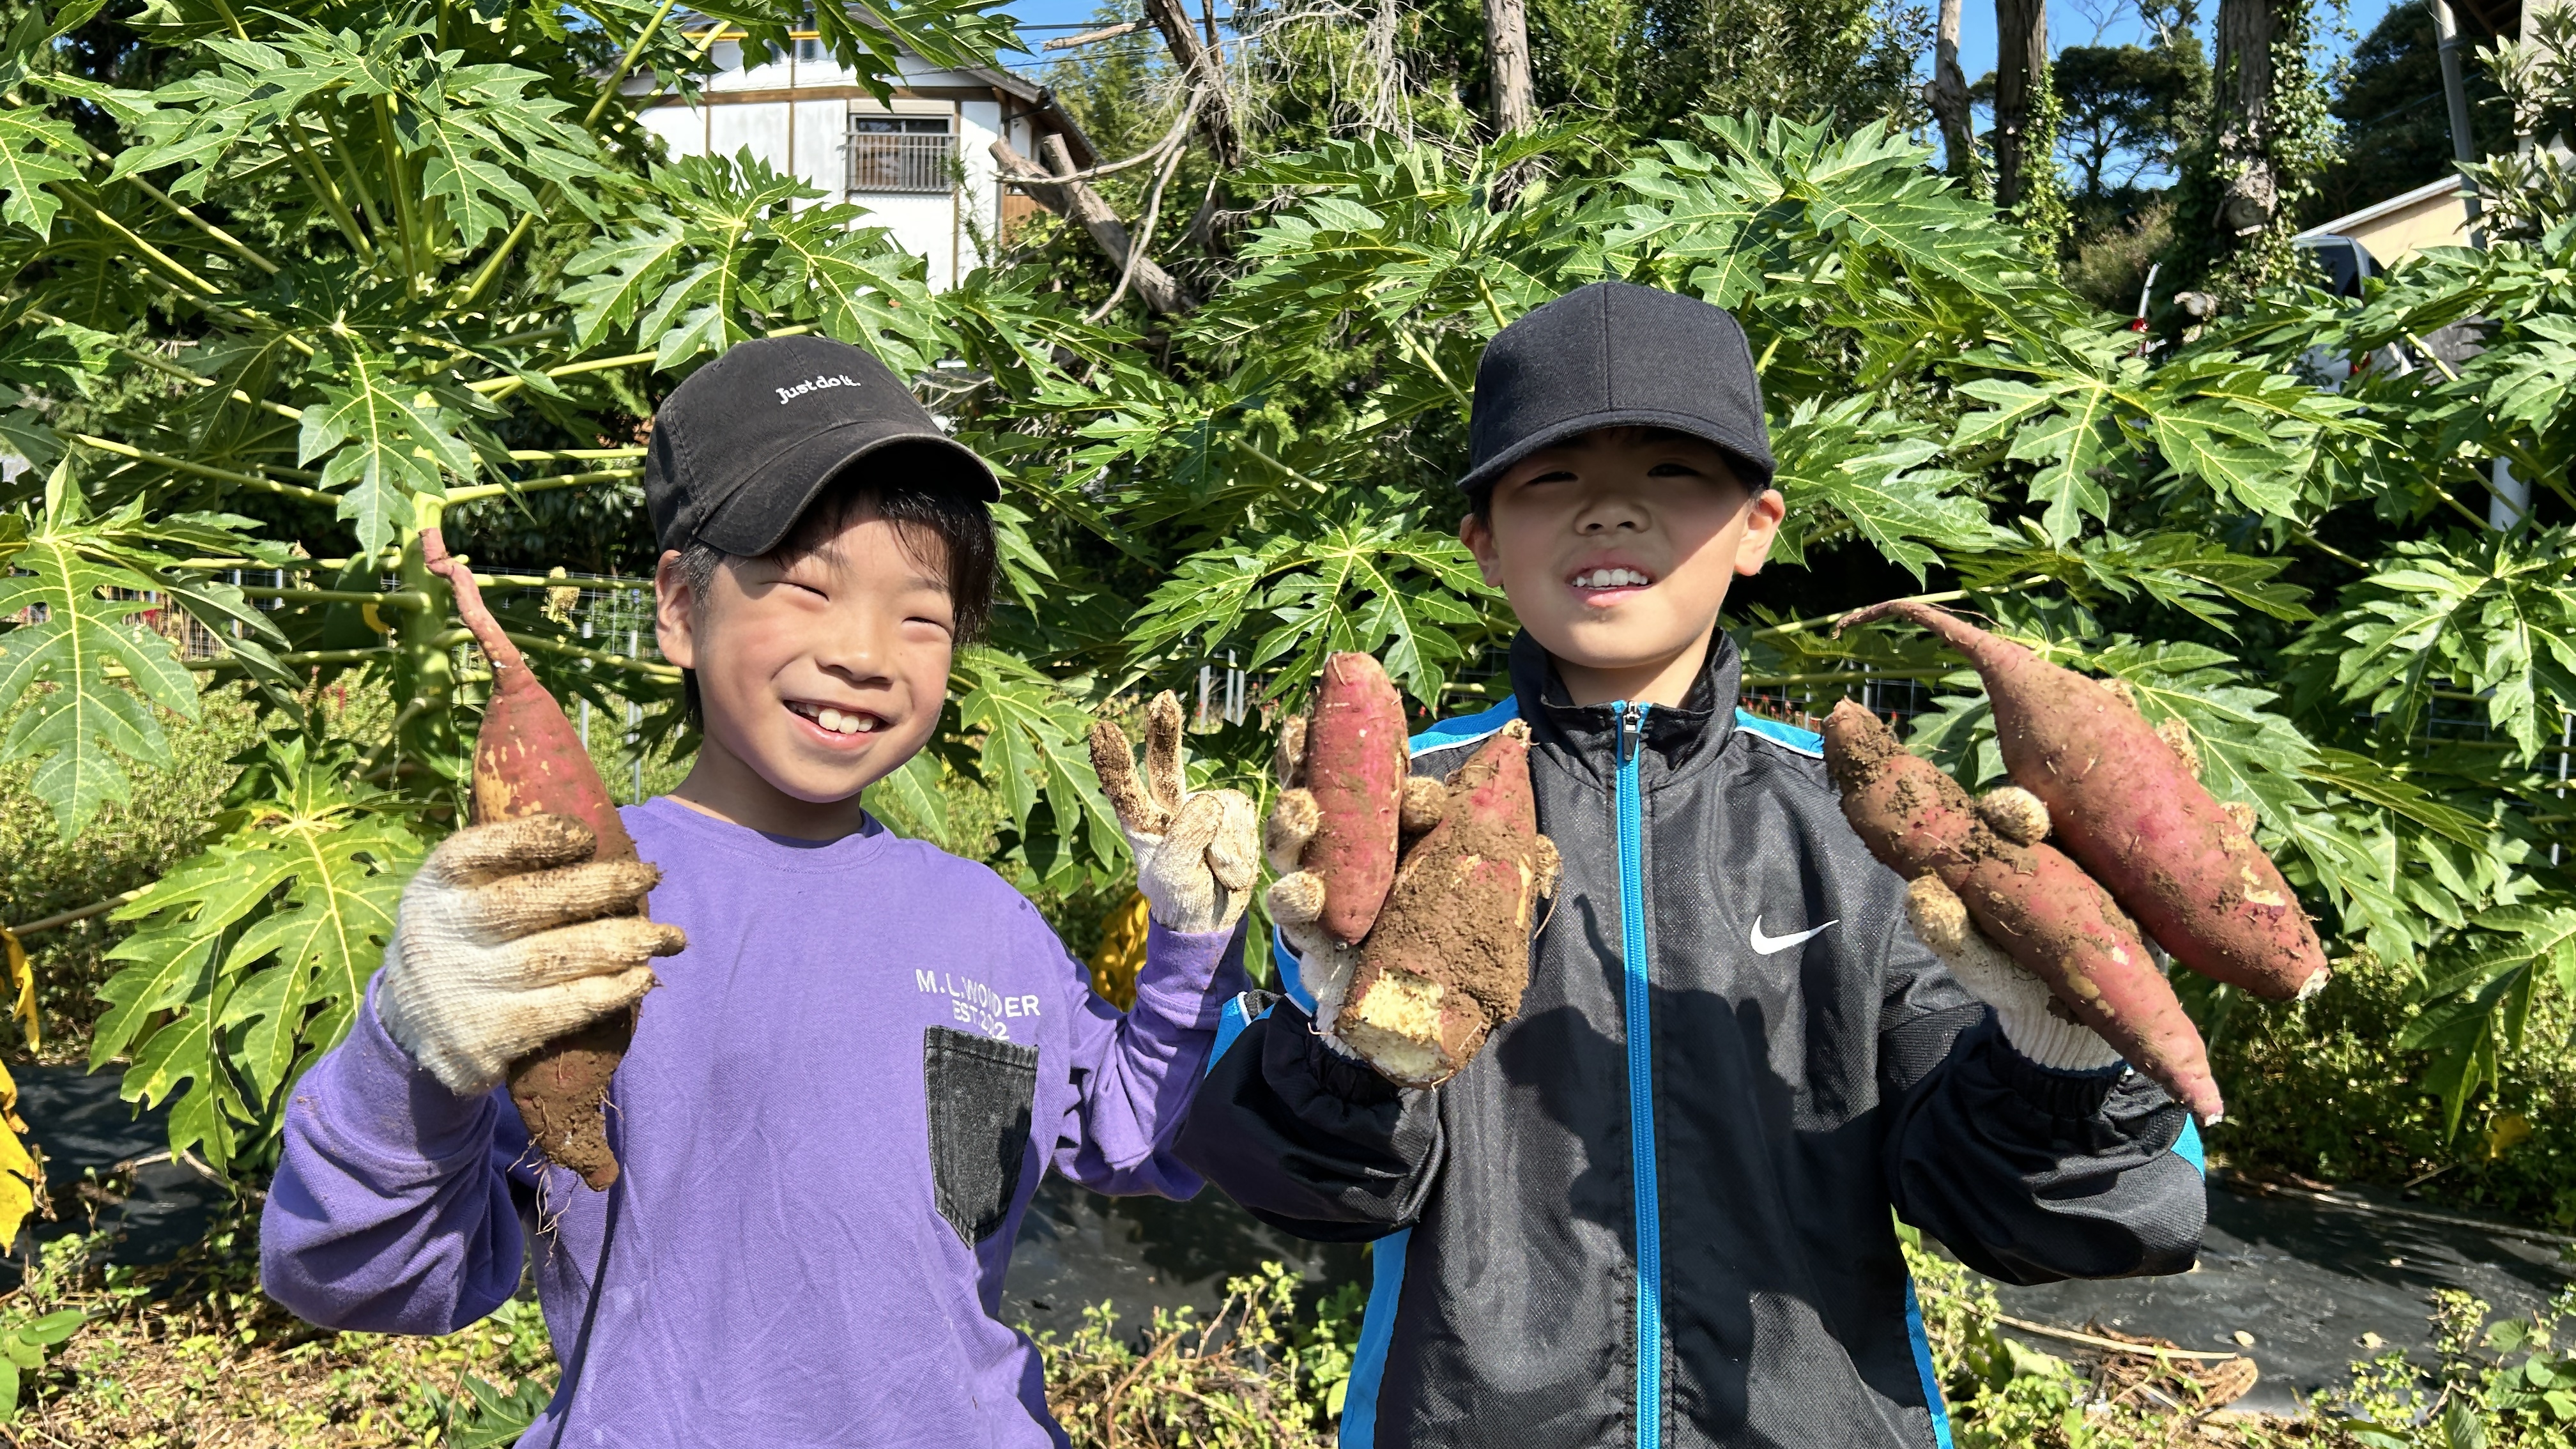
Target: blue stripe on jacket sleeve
x,y
1466,729
1805,742
1230,1023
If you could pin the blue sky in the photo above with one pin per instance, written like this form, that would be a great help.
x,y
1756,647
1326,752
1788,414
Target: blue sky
x,y
2071,22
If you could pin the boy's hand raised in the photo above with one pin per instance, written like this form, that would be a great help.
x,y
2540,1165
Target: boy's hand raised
x,y
1195,859
509,937
2031,1019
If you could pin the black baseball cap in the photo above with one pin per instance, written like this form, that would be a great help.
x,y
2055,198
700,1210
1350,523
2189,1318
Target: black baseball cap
x,y
744,447
1617,355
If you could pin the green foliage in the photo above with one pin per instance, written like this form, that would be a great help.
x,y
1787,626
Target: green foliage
x,y
1250,1376
24,1342
258,949
472,279
2324,1088
2126,111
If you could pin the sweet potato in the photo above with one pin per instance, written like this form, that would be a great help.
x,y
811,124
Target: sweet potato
x,y
2128,805
1353,766
1449,955
528,760
2036,904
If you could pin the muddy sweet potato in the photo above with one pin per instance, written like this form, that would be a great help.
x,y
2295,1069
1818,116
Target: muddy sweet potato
x,y
1449,955
2125,802
1353,766
528,760
2036,904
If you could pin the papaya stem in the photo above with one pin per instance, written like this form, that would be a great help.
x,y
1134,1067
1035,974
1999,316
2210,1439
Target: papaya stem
x,y
495,642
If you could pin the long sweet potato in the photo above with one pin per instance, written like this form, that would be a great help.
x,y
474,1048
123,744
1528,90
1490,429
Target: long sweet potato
x,y
528,760
1449,956
2032,901
1354,766
2133,810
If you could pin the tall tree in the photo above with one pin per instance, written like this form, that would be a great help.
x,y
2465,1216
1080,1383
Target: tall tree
x,y
1946,93
2247,30
2021,67
2126,110
1507,44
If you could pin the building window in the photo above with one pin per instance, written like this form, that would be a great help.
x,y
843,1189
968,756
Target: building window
x,y
901,153
808,51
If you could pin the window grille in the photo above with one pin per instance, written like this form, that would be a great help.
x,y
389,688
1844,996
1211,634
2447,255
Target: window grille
x,y
890,153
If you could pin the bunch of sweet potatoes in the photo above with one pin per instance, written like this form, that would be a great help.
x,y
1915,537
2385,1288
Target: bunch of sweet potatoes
x,y
1435,935
2127,801
2125,798
2036,904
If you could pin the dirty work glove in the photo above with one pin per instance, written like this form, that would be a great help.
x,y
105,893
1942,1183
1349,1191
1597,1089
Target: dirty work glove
x,y
1195,860
2032,1019
1296,898
509,937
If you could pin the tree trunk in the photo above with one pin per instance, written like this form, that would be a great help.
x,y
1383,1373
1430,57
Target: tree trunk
x,y
1076,199
2021,51
1947,94
2242,93
1507,42
1216,116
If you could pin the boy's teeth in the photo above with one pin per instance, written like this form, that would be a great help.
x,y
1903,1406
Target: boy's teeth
x,y
829,719
1609,579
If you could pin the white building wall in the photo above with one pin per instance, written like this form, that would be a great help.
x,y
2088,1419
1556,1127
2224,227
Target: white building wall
x,y
759,127
810,139
683,129
822,146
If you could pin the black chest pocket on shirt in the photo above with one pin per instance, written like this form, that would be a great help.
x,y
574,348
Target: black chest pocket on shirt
x,y
981,1092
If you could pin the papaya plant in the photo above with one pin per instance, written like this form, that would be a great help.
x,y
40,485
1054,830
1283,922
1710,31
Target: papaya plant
x,y
344,270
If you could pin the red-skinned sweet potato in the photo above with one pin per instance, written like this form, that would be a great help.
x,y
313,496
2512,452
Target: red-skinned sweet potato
x,y
2036,904
1355,765
528,760
2129,806
1449,956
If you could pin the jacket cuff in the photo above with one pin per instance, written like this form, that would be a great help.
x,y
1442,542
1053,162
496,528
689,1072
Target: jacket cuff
x,y
2056,1092
1346,1077
375,1102
1189,976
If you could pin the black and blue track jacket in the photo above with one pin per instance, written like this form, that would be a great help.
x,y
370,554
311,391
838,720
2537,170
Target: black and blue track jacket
x,y
1654,1210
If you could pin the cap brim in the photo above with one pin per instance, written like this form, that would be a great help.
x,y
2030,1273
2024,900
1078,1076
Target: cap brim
x,y
757,519
1750,458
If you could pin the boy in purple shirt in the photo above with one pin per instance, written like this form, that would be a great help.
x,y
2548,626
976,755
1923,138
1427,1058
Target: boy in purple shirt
x,y
863,1056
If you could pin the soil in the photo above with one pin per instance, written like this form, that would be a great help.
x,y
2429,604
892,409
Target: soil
x,y
1450,953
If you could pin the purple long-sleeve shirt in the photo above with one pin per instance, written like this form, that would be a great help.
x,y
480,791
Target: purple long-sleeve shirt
x,y
838,1104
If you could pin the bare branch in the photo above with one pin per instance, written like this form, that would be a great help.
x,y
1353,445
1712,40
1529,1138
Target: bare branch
x,y
1106,32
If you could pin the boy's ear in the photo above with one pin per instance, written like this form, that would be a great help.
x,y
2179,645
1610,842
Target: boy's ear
x,y
675,612
1761,529
1478,535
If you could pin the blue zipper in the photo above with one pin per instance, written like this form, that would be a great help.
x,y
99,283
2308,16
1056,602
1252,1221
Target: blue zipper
x,y
1641,1082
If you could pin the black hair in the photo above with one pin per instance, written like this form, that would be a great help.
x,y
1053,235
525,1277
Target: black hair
x,y
920,512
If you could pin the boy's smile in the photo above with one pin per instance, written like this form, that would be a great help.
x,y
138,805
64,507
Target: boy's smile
x,y
1616,549
818,675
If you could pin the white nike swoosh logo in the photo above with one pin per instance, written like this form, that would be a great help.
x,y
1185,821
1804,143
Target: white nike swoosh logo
x,y
1765,945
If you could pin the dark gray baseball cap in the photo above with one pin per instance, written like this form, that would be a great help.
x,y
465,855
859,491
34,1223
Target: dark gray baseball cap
x,y
1614,355
744,447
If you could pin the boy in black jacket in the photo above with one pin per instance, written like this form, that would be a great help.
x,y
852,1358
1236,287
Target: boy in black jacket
x,y
1654,1209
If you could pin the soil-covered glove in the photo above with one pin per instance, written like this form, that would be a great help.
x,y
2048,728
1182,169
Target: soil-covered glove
x,y
509,937
2033,1020
1195,858
1296,899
